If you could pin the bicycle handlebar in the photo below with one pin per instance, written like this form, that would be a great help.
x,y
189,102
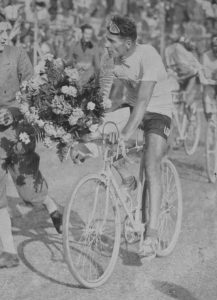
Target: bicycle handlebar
x,y
121,147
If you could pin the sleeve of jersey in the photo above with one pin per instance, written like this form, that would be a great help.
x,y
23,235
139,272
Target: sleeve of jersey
x,y
150,64
106,75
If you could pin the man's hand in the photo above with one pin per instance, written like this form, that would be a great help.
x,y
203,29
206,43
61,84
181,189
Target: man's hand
x,y
6,117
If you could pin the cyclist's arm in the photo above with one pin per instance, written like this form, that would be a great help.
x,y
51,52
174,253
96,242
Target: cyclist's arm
x,y
106,75
145,91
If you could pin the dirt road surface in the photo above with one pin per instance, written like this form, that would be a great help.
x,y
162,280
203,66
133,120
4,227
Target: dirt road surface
x,y
189,273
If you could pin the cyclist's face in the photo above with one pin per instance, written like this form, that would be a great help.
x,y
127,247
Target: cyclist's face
x,y
115,46
4,34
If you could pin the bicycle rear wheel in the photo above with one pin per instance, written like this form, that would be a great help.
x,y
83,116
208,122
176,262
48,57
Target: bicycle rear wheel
x,y
170,217
192,135
91,231
211,151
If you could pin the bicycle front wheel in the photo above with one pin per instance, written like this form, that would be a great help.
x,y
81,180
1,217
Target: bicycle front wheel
x,y
211,148
91,231
192,135
170,217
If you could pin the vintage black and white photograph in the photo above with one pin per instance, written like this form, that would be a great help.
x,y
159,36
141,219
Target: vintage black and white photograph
x,y
108,149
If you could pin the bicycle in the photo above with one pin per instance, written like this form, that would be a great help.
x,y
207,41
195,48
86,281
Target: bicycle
x,y
92,222
187,122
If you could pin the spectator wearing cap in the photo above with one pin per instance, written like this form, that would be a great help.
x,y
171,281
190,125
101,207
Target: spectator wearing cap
x,y
181,59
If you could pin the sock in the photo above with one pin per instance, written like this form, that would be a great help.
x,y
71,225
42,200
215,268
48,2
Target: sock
x,y
50,205
6,231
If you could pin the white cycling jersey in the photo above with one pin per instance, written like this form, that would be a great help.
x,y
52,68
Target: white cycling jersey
x,y
145,64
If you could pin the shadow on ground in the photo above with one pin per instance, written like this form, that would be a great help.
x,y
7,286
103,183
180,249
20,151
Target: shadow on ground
x,y
34,225
172,290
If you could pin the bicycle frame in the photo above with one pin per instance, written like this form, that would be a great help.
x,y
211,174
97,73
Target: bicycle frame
x,y
122,194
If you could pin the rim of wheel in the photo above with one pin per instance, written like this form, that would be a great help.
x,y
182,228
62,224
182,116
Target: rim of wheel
x,y
169,221
91,232
192,134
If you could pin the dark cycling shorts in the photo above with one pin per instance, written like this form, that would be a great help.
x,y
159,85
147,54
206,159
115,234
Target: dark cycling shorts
x,y
154,123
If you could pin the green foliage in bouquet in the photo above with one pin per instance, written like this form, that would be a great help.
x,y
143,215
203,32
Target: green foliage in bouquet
x,y
59,109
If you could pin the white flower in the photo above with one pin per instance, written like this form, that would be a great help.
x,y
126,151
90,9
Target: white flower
x,y
48,56
72,74
93,127
91,105
60,131
73,120
78,112
35,83
89,122
40,123
107,103
33,110
69,90
24,108
58,63
49,129
72,91
24,137
60,106
65,89
67,138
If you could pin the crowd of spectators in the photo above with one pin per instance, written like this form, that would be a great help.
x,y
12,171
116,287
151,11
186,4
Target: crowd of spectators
x,y
59,22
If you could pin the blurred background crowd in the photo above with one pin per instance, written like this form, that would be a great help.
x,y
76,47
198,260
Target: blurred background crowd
x,y
59,22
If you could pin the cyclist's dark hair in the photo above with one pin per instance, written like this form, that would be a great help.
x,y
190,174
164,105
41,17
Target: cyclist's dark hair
x,y
127,27
86,26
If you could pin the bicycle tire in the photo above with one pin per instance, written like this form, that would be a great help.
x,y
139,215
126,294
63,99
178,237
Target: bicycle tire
x,y
211,151
192,139
165,247
87,224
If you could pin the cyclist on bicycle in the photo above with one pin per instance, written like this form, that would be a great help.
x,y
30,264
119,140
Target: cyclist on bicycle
x,y
183,64
141,70
209,60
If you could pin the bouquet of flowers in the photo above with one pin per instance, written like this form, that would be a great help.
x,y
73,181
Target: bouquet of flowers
x,y
59,109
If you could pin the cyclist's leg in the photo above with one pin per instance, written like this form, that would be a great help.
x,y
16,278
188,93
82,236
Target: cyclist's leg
x,y
155,149
156,133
